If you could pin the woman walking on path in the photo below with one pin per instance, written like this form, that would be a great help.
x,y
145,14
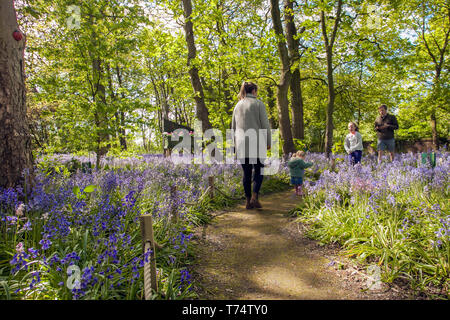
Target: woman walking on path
x,y
252,140
353,143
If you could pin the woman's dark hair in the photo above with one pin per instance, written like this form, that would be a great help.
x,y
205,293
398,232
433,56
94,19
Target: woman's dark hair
x,y
247,87
383,106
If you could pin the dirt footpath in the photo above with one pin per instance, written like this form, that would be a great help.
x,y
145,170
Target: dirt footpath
x,y
263,254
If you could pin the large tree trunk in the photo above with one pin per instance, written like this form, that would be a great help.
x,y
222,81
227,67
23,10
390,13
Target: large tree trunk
x,y
285,78
295,84
438,59
298,127
329,43
330,104
99,99
15,140
227,94
201,110
100,115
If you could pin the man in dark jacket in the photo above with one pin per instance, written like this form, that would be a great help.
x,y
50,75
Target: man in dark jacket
x,y
385,124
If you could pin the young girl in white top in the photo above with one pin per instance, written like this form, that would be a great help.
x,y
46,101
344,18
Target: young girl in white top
x,y
353,143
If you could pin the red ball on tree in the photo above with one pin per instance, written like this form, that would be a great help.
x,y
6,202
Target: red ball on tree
x,y
17,35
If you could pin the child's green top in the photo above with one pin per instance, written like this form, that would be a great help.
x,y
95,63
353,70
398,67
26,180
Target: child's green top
x,y
296,167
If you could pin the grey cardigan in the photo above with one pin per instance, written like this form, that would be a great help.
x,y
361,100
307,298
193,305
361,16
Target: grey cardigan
x,y
353,142
250,113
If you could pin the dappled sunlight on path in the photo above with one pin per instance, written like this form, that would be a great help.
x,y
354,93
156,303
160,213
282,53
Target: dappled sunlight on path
x,y
247,254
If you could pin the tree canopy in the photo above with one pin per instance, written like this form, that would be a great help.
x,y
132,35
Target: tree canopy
x,y
101,75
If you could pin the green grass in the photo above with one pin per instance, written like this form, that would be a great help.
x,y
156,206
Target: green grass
x,y
398,238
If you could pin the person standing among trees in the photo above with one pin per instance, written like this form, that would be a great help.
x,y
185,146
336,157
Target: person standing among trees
x,y
249,117
353,143
385,124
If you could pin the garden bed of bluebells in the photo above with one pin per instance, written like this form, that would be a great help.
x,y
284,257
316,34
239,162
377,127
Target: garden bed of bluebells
x,y
76,235
394,215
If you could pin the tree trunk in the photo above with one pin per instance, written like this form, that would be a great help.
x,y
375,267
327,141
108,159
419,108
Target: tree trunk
x,y
438,59
330,105
434,132
329,43
15,140
271,101
201,110
227,94
295,84
99,99
100,116
436,91
298,127
285,78
114,101
122,133
144,137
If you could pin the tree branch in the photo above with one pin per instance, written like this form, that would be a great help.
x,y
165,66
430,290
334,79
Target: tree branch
x,y
336,23
426,42
324,28
315,78
373,42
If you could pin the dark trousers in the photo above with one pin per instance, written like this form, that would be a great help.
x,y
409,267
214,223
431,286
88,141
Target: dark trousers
x,y
355,157
249,170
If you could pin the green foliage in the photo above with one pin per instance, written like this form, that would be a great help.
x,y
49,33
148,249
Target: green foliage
x,y
338,147
380,56
300,144
396,234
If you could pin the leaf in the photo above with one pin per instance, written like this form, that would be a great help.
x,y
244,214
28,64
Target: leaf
x,y
7,290
76,190
90,188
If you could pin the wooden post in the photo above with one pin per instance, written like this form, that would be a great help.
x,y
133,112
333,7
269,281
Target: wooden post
x,y
173,208
148,243
211,185
333,164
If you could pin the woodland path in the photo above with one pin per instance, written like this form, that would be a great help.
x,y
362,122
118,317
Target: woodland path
x,y
263,254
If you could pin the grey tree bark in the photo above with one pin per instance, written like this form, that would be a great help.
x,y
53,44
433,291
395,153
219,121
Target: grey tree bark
x,y
438,61
329,43
15,140
285,79
201,110
298,130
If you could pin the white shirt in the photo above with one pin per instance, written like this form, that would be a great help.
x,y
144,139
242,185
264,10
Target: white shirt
x,y
353,142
